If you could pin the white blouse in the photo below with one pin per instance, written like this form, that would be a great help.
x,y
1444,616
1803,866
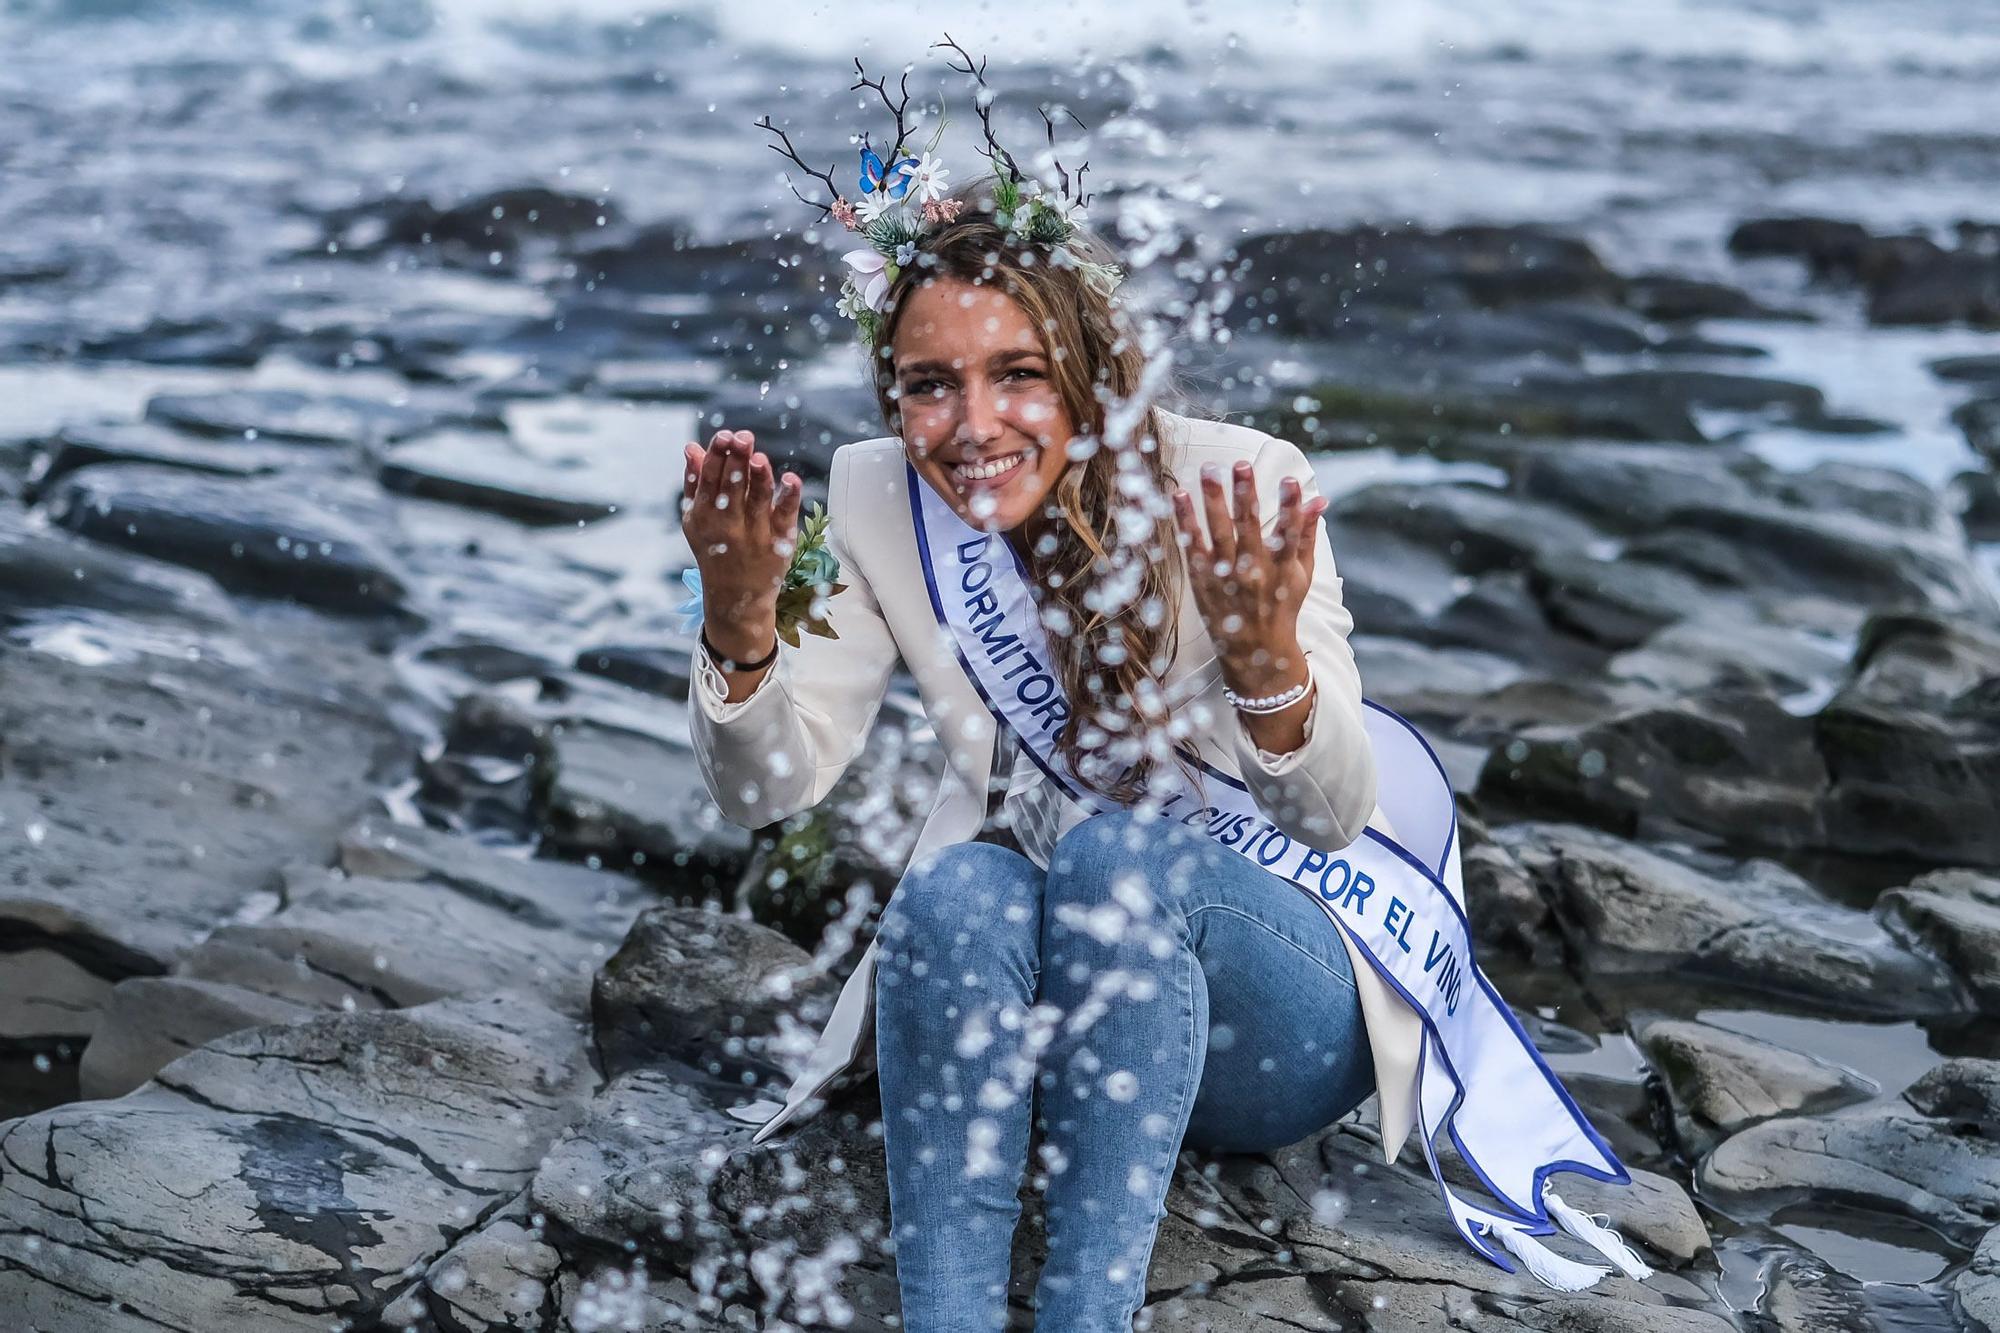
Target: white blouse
x,y
1037,812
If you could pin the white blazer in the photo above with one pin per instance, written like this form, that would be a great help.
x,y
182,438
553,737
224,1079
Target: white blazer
x,y
781,750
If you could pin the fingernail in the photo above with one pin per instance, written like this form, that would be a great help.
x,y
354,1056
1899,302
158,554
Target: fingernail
x,y
1210,472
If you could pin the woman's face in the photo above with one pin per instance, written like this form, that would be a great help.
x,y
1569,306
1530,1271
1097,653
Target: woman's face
x,y
982,421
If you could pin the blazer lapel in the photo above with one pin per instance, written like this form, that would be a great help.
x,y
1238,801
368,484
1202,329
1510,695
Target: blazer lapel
x,y
960,716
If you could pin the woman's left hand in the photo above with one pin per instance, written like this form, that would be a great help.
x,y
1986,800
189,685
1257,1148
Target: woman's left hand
x,y
1249,585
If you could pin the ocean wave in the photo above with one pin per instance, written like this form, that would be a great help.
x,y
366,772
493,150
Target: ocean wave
x,y
1790,34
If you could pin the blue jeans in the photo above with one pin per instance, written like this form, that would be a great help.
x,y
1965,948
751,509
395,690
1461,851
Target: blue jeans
x,y
1151,986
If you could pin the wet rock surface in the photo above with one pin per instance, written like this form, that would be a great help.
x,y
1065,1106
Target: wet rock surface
x,y
1958,917
1723,1081
253,535
713,992
1753,925
291,417
295,1171
1978,1287
148,801
1892,1158
486,472
1907,279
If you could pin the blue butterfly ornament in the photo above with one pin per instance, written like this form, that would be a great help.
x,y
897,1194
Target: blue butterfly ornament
x,y
873,173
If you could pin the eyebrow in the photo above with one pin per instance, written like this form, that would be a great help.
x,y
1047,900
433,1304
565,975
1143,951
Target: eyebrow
x,y
945,367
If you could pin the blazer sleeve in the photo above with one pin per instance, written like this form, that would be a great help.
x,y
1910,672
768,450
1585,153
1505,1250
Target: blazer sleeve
x,y
781,749
1322,793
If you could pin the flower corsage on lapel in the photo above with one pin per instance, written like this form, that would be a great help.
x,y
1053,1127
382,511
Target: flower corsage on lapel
x,y
810,581
811,578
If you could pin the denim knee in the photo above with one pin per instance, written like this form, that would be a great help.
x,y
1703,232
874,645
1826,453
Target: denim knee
x,y
962,891
970,907
1143,865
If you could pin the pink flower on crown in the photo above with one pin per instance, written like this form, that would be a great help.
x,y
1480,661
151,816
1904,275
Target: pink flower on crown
x,y
943,210
844,214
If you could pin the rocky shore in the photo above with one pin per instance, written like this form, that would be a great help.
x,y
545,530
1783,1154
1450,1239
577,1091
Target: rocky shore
x,y
373,959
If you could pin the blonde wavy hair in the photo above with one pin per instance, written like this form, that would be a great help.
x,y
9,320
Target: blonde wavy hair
x,y
1111,594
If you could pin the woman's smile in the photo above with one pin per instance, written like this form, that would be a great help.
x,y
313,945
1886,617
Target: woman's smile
x,y
994,471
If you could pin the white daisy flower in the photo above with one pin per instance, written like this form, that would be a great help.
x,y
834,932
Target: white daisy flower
x,y
873,206
928,180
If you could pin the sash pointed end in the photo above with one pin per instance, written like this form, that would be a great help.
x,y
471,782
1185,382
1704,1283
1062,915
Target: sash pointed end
x,y
755,1113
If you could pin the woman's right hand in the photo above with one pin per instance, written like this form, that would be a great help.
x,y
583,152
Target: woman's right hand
x,y
743,526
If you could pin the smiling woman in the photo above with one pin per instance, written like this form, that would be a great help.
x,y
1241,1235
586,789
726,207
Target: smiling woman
x,y
1015,392
1127,628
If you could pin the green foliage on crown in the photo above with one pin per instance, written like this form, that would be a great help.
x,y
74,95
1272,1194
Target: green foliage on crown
x,y
1006,191
1046,226
893,229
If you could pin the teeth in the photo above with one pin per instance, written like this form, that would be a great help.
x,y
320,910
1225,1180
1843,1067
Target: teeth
x,y
982,471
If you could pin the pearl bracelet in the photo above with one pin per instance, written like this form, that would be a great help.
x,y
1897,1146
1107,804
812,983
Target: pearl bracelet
x,y
1269,703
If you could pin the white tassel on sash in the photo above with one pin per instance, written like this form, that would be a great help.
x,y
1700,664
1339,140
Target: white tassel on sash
x,y
1544,1264
1597,1235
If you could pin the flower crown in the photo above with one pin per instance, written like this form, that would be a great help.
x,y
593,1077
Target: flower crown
x,y
902,199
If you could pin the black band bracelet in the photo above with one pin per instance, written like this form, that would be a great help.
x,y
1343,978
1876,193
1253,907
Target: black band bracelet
x,y
726,663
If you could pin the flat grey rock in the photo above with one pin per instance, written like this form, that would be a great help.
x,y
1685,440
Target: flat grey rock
x,y
284,1177
352,940
82,444
322,545
1978,1287
618,792
1477,528
1756,925
165,796
1722,1081
1891,1159
409,915
486,471
45,571
1731,763
290,416
149,1022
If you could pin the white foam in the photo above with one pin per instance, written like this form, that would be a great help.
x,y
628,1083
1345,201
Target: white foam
x,y
1830,32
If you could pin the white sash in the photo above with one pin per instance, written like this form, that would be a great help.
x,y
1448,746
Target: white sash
x,y
1480,1080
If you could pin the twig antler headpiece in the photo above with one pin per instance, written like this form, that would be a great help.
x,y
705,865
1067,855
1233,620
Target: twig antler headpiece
x,y
903,200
